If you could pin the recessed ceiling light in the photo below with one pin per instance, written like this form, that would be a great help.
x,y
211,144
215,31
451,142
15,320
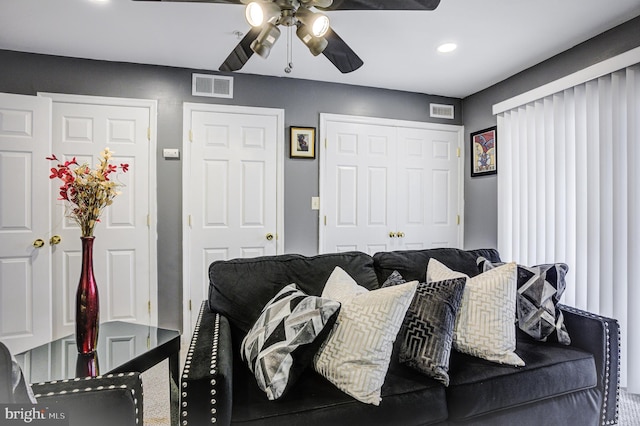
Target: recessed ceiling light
x,y
447,47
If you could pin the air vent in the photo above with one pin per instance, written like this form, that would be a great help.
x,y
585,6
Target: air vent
x,y
441,111
213,86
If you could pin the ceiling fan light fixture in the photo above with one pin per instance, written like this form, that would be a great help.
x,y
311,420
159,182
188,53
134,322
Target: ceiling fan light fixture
x,y
315,44
318,22
266,39
257,13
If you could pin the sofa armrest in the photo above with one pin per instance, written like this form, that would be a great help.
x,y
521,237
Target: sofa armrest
x,y
600,336
112,399
206,382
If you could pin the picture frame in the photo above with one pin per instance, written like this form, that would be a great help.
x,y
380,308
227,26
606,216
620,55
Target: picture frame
x,y
303,142
484,152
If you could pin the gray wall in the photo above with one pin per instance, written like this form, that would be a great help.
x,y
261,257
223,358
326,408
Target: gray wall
x,y
302,101
480,192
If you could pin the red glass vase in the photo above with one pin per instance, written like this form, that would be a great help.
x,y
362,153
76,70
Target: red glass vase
x,y
87,303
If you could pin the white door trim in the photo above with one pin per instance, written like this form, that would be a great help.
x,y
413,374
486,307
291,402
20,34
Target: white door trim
x,y
152,106
327,117
188,109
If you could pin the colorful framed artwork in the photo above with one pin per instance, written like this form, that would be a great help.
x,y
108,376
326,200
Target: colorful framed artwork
x,y
484,145
303,142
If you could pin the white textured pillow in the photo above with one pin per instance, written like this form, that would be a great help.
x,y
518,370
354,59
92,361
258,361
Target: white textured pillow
x,y
355,357
485,325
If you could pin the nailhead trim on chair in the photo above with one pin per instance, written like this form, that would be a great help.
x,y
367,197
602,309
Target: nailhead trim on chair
x,y
607,372
90,389
212,366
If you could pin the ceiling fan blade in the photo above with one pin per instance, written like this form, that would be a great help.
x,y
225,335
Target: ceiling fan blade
x,y
382,5
340,54
241,53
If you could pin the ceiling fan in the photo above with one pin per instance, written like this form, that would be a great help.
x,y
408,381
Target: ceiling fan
x,y
312,27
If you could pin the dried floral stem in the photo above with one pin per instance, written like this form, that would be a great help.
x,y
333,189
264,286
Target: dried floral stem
x,y
87,191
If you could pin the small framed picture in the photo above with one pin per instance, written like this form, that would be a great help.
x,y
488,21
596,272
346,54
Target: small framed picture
x,y
303,142
484,145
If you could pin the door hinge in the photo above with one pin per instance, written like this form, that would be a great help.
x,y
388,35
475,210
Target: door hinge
x,y
325,220
458,219
189,220
148,133
148,342
148,220
190,135
325,143
458,152
149,307
189,304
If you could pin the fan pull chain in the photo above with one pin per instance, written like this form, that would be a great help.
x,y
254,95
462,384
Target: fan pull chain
x,y
289,51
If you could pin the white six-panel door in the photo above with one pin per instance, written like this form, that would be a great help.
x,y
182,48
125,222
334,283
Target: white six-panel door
x,y
232,180
428,189
25,197
389,185
360,187
123,263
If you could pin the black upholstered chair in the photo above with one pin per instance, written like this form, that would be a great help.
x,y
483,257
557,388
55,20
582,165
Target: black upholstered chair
x,y
113,399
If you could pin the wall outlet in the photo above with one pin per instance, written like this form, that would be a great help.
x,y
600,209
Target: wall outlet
x,y
171,153
315,203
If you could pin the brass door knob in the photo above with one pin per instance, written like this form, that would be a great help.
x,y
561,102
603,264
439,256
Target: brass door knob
x,y
269,236
38,243
55,240
400,234
392,234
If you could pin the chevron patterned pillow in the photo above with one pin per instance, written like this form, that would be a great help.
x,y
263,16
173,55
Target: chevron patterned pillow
x,y
356,355
285,337
540,288
485,325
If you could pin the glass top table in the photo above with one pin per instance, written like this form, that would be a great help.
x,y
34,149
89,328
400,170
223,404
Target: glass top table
x,y
122,347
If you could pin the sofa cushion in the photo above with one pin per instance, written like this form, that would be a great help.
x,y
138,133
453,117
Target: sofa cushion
x,y
356,355
412,264
233,282
286,336
407,398
426,335
478,387
540,288
485,323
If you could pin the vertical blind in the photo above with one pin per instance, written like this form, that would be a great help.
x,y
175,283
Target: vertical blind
x,y
569,191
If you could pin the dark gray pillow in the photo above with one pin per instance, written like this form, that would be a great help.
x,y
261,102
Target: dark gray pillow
x,y
539,290
426,335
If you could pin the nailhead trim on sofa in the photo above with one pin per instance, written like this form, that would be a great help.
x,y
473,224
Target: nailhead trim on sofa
x,y
609,366
212,370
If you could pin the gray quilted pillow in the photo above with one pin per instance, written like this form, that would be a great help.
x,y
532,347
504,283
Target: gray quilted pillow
x,y
426,335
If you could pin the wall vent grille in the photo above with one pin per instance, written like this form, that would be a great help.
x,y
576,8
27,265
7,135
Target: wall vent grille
x,y
441,111
213,86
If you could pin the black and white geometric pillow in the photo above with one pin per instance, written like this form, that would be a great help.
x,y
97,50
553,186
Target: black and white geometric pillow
x,y
539,291
285,338
426,335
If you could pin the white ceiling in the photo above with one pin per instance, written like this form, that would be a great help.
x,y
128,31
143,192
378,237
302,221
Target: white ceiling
x,y
496,38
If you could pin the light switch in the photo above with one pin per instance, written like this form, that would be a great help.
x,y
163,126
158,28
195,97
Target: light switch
x,y
171,153
315,203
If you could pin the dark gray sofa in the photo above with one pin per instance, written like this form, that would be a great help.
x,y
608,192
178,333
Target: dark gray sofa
x,y
560,385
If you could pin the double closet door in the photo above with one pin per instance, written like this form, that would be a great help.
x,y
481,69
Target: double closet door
x,y
389,185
